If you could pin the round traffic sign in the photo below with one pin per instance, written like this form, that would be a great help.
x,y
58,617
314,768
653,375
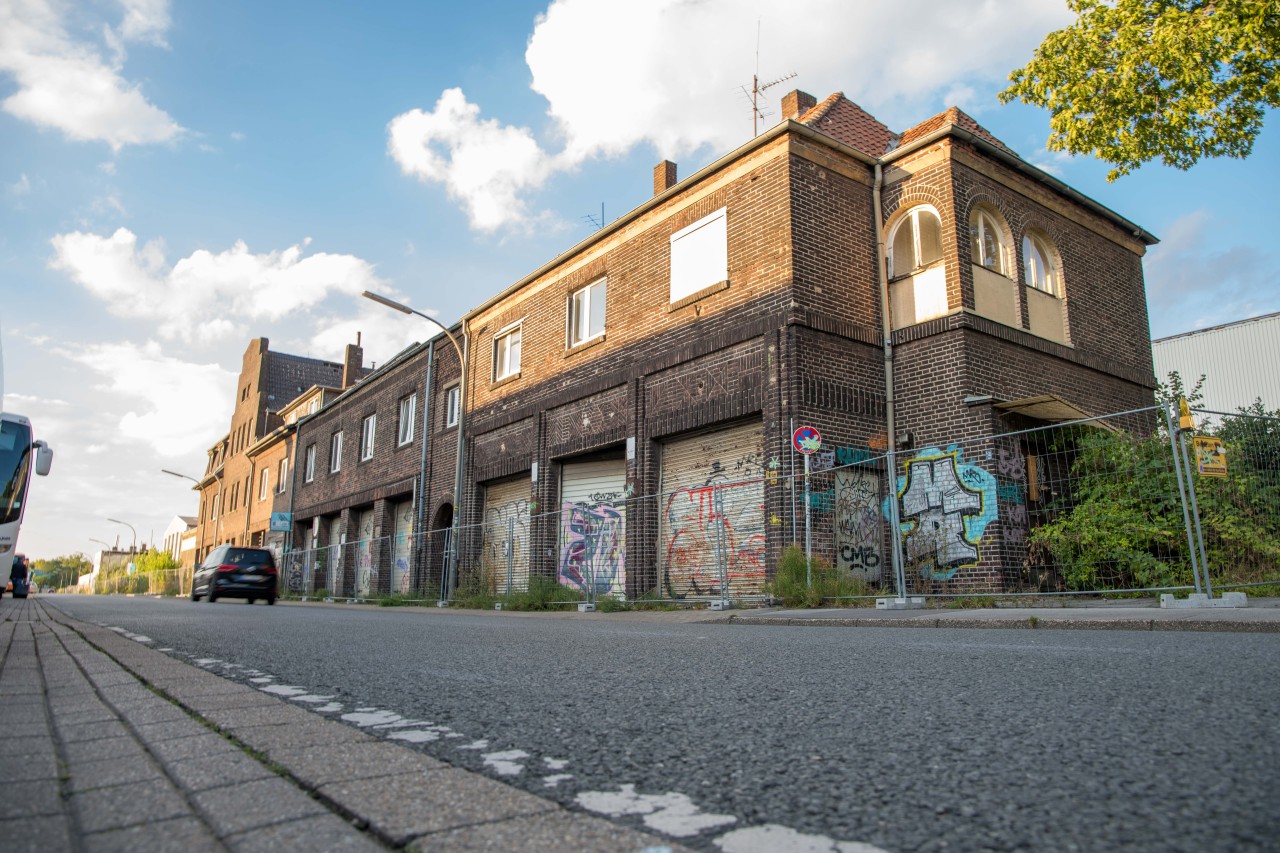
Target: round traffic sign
x,y
806,439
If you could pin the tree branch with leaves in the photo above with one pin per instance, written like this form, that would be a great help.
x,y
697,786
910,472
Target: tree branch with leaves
x,y
1135,80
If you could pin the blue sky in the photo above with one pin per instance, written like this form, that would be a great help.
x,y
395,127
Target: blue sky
x,y
176,179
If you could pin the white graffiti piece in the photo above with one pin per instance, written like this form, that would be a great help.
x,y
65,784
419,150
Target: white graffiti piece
x,y
672,813
946,511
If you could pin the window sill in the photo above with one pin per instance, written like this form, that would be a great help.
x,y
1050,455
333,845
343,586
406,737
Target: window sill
x,y
698,295
506,380
587,344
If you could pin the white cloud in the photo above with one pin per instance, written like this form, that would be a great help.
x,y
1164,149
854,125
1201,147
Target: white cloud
x,y
482,163
383,333
67,85
672,82
205,296
177,407
1190,287
20,187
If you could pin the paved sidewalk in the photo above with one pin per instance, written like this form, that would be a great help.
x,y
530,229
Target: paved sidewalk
x,y
106,745
1261,616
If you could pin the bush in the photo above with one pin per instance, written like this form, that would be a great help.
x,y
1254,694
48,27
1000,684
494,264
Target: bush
x,y
791,583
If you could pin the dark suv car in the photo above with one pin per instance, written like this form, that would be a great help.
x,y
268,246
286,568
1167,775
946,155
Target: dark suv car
x,y
231,572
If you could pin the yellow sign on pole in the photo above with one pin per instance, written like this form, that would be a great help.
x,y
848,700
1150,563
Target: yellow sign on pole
x,y
1211,456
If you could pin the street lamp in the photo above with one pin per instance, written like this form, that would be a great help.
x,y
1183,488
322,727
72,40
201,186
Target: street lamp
x,y
176,474
462,414
100,542
134,546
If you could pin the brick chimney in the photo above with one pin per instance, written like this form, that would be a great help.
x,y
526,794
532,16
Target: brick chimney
x,y
352,363
796,103
664,177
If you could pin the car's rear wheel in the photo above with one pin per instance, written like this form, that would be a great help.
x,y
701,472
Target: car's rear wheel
x,y
212,596
271,599
250,600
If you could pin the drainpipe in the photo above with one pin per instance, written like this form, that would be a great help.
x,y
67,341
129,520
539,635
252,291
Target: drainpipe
x,y
426,430
886,330
458,502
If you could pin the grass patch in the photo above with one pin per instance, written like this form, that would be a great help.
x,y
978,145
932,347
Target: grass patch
x,y
476,593
971,602
801,583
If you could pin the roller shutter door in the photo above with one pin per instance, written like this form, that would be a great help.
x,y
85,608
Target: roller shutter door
x,y
402,548
692,526
593,527
364,553
333,566
505,557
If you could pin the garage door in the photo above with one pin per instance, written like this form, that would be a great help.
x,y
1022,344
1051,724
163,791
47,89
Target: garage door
x,y
401,547
712,505
505,558
364,553
593,527
333,566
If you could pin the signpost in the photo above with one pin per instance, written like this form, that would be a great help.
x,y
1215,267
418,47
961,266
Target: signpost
x,y
281,521
1211,456
807,440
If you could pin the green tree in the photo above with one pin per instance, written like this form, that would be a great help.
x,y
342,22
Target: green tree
x,y
59,572
1133,80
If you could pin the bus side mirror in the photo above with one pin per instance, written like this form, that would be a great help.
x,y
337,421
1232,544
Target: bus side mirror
x,y
44,458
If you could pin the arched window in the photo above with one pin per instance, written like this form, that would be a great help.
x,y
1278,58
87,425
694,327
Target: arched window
x,y
1037,265
987,242
916,242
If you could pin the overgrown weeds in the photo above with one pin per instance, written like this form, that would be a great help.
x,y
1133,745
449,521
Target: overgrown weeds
x,y
801,583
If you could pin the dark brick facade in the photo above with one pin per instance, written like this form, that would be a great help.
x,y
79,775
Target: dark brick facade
x,y
792,337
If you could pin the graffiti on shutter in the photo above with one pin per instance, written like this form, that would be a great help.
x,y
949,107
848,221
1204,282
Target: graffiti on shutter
x,y
593,527
859,534
364,554
712,517
333,565
504,559
401,548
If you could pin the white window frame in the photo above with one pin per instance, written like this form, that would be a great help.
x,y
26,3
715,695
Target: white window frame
x,y
981,221
335,452
265,488
314,407
913,218
580,312
309,469
700,255
368,431
502,347
452,406
284,476
408,411
1052,286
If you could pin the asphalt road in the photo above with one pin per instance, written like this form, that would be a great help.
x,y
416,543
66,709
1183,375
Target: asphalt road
x,y
748,738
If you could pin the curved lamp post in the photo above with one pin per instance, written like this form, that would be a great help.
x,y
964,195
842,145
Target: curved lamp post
x,y
462,409
134,547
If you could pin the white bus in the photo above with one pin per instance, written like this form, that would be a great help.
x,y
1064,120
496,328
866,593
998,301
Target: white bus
x,y
17,449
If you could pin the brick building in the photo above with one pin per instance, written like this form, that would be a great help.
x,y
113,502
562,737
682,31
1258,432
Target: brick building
x,y
630,405
361,458
231,510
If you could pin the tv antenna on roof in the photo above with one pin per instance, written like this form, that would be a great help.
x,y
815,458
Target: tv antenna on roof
x,y
757,88
598,223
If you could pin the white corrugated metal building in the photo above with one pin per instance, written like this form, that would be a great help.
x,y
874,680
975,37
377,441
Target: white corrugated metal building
x,y
1240,362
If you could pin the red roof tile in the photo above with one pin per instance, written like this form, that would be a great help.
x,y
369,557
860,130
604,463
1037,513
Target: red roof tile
x,y
957,117
843,120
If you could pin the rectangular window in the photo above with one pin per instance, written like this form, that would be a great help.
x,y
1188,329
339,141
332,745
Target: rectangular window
x,y
335,452
586,313
408,408
309,469
452,401
265,488
506,352
366,436
283,479
699,255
